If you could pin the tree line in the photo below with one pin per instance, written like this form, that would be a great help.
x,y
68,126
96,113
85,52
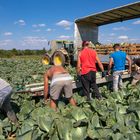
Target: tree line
x,y
15,52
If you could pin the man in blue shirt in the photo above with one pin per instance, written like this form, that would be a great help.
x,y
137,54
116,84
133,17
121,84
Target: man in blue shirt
x,y
119,59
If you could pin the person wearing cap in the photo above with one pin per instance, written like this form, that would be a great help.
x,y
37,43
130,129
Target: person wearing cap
x,y
60,80
136,76
86,68
118,58
5,95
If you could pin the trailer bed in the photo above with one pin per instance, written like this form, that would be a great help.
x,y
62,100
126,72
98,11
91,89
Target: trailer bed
x,y
37,89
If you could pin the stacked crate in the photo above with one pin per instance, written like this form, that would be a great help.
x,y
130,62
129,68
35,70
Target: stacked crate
x,y
130,49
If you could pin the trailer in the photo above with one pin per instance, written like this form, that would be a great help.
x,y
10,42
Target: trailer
x,y
86,28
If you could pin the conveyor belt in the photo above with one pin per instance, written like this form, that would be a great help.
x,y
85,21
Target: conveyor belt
x,y
37,88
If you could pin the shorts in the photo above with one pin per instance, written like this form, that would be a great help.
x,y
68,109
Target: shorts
x,y
5,93
61,82
136,76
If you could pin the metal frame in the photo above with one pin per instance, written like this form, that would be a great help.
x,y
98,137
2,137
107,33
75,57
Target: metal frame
x,y
37,88
118,14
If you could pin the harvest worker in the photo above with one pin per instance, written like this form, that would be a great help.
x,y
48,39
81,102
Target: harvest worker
x,y
136,76
119,58
86,67
60,79
5,94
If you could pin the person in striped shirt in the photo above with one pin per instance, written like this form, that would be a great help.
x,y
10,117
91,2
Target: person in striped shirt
x,y
5,105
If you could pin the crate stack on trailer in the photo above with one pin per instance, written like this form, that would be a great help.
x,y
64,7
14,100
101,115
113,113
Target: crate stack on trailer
x,y
130,49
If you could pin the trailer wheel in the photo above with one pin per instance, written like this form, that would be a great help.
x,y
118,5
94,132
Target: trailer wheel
x,y
58,58
46,60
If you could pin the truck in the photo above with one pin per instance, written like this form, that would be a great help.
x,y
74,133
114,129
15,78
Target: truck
x,y
87,28
61,53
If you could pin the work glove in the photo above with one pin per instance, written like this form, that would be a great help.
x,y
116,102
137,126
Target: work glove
x,y
103,74
79,77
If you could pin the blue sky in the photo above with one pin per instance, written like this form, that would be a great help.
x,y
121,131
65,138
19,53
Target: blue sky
x,y
30,24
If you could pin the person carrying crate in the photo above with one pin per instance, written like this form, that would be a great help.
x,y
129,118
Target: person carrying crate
x,y
60,80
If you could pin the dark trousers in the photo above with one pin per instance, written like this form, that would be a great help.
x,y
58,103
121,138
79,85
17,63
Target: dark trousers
x,y
9,111
89,81
5,95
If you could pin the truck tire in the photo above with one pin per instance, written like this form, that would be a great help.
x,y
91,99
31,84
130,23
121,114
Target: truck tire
x,y
58,58
46,60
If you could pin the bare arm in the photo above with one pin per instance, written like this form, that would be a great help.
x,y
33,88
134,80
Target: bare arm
x,y
46,80
129,64
99,63
110,65
78,68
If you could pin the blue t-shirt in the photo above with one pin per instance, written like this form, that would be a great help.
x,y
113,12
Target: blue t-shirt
x,y
119,58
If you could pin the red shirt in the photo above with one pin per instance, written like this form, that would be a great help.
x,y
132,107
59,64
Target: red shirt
x,y
88,60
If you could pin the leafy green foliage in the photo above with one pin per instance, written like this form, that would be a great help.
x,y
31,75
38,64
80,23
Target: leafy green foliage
x,y
115,117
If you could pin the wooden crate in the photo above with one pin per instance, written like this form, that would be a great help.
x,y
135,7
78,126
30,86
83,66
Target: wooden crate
x,y
130,49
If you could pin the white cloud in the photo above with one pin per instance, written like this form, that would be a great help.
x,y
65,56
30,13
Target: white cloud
x,y
34,25
108,40
67,28
37,30
42,25
120,28
112,34
20,22
64,37
64,23
136,22
39,25
6,42
31,41
49,30
123,37
134,40
8,33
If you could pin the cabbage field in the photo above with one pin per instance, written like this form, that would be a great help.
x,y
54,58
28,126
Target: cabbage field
x,y
115,117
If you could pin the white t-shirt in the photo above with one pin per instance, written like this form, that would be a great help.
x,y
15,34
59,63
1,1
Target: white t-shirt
x,y
3,84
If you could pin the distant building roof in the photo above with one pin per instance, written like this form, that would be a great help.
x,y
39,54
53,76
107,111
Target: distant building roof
x,y
118,14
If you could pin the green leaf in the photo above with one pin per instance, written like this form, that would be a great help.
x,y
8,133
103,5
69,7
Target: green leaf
x,y
54,136
64,128
78,114
95,121
25,132
92,133
111,121
25,136
133,136
130,120
119,118
80,123
122,109
1,126
104,132
45,123
37,134
138,114
79,133
117,136
2,137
